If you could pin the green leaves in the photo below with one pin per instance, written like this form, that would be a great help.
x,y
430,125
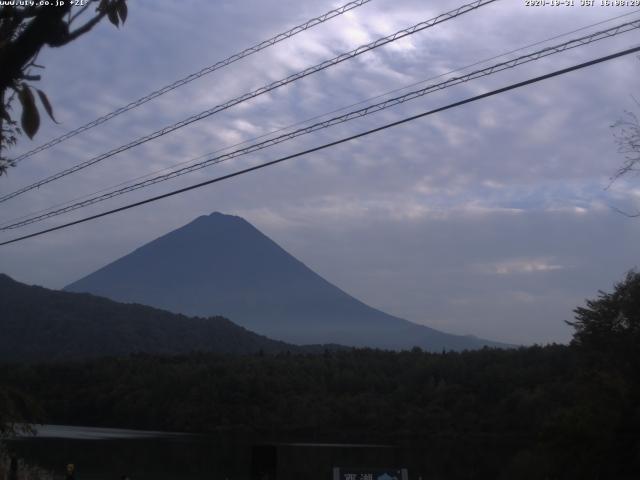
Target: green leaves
x,y
122,10
117,10
58,27
46,104
4,115
112,14
102,6
30,119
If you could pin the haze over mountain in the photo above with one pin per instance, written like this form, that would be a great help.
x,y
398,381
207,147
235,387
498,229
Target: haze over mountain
x,y
222,265
38,324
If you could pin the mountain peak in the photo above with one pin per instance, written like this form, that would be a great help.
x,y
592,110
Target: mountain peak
x,y
219,216
217,219
223,215
222,265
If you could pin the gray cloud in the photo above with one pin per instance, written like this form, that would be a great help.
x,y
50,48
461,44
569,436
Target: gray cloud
x,y
491,219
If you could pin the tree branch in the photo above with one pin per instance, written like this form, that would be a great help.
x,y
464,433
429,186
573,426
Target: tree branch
x,y
20,14
83,29
626,214
45,28
80,12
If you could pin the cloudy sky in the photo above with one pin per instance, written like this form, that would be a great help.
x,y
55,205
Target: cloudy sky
x,y
492,219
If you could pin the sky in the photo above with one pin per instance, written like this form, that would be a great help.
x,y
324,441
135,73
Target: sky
x,y
495,219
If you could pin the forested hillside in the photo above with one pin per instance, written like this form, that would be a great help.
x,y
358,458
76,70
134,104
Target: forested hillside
x,y
41,324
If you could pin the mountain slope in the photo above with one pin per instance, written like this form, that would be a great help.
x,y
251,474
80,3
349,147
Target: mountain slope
x,y
220,264
41,324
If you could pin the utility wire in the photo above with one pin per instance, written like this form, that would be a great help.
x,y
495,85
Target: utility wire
x,y
190,78
585,40
315,117
334,143
260,91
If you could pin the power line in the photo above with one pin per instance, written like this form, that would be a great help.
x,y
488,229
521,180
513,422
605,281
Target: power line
x,y
201,73
334,143
534,56
9,223
260,91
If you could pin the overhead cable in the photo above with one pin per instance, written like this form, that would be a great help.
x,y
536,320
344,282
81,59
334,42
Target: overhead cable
x,y
315,117
523,59
331,144
190,78
260,91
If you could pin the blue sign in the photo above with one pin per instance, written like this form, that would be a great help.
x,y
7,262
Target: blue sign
x,y
370,473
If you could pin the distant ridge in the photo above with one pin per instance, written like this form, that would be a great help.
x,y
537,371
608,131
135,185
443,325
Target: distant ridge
x,y
222,265
37,324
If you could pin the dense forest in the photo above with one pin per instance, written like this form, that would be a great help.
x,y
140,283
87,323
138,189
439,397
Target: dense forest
x,y
567,415
38,324
567,411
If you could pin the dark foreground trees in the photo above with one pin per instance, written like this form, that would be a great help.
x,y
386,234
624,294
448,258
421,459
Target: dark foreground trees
x,y
609,327
556,412
601,428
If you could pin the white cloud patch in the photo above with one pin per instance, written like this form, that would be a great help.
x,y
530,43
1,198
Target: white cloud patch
x,y
520,266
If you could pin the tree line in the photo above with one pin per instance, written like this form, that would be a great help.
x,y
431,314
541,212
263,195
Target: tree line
x,y
570,411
